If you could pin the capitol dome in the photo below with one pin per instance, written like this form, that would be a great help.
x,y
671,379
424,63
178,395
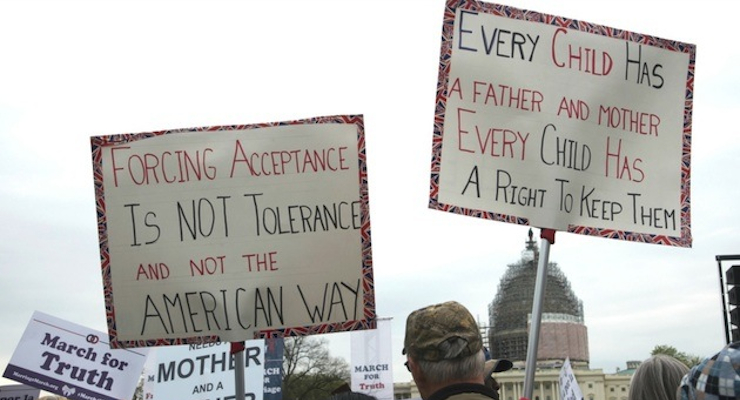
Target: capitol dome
x,y
562,330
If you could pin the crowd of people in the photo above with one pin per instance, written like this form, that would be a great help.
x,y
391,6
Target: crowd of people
x,y
445,355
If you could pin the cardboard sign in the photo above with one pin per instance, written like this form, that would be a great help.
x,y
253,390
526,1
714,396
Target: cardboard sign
x,y
202,372
72,361
234,232
19,392
562,124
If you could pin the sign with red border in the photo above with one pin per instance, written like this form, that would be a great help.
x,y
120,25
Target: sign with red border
x,y
234,232
557,123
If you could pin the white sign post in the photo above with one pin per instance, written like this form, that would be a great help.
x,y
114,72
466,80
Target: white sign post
x,y
73,361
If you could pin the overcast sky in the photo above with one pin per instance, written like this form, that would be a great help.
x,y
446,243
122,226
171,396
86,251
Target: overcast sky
x,y
71,70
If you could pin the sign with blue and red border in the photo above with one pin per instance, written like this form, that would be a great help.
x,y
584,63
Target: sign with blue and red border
x,y
557,123
235,232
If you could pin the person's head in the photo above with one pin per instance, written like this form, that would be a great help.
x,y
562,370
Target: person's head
x,y
443,346
657,378
715,378
491,367
350,395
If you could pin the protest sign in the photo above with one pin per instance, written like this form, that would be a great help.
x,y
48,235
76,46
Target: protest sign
x,y
19,392
202,372
557,123
227,233
569,389
372,361
73,361
273,386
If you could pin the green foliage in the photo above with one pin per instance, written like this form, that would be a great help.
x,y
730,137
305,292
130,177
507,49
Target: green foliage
x,y
689,359
310,372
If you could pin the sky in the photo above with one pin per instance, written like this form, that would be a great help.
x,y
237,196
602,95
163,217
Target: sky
x,y
75,69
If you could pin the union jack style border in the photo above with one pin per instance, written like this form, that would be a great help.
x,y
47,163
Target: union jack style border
x,y
510,12
368,283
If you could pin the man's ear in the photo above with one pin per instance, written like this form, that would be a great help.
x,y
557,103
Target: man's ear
x,y
416,372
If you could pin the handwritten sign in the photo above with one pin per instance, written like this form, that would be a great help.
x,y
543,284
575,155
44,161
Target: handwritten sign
x,y
202,372
234,232
562,124
70,360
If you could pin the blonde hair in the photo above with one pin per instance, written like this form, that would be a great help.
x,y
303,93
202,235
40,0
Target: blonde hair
x,y
657,378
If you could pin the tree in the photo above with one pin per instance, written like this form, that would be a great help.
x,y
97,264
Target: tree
x,y
139,391
689,359
309,371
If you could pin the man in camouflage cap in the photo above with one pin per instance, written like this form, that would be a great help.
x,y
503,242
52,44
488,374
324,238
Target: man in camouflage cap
x,y
444,352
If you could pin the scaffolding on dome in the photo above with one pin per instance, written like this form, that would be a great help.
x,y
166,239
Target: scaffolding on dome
x,y
510,311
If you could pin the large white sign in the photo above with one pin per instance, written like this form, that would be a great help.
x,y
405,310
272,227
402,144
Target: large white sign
x,y
202,372
73,361
562,124
222,232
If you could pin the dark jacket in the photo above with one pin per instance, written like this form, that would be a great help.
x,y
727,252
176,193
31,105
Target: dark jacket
x,y
464,391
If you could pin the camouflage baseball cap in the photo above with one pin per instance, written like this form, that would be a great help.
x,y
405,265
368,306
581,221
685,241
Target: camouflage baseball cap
x,y
441,332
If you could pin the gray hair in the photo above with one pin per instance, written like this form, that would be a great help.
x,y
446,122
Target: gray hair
x,y
459,369
657,378
352,396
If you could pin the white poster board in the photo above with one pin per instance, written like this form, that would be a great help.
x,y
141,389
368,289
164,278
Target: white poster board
x,y
60,357
557,123
19,392
371,361
202,372
229,232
